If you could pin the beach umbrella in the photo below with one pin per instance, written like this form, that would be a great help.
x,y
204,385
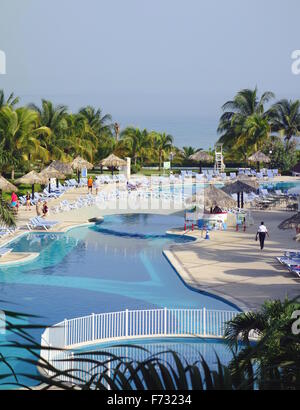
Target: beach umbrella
x,y
6,185
201,156
79,163
212,196
31,178
239,187
50,172
63,167
112,161
259,157
291,222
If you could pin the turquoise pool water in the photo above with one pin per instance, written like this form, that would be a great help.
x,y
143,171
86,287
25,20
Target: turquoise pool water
x,y
101,268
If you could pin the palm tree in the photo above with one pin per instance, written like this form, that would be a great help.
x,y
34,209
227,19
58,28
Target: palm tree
x,y
137,141
285,118
162,144
10,101
100,124
276,348
7,217
20,135
234,121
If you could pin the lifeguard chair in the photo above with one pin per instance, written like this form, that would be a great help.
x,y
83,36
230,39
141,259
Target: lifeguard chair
x,y
219,159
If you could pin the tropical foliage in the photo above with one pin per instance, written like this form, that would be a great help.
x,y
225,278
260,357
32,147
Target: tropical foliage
x,y
274,361
247,126
271,363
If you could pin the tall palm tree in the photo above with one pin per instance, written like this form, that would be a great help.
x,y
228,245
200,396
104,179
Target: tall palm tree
x,y
163,144
138,142
100,124
232,124
20,135
285,118
10,101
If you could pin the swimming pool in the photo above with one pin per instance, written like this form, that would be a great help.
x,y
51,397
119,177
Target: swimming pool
x,y
100,268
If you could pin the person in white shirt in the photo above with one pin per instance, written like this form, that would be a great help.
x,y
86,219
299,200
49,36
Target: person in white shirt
x,y
261,233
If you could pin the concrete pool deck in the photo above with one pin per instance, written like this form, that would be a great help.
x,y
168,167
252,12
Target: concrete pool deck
x,y
231,264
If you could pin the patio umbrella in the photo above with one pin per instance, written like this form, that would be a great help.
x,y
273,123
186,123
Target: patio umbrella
x,y
6,185
112,161
239,187
31,178
201,156
291,222
213,196
63,167
259,157
79,163
50,172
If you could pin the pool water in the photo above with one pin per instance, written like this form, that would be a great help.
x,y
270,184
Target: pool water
x,y
112,266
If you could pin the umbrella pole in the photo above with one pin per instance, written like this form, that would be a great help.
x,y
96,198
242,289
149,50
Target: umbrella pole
x,y
242,199
32,191
200,167
78,176
56,182
49,186
238,199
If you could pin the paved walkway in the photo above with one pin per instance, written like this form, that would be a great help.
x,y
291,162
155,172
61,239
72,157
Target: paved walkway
x,y
231,264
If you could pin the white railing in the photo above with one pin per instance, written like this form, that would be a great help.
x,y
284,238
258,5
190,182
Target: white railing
x,y
133,324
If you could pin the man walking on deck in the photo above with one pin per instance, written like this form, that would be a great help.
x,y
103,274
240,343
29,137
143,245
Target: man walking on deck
x,y
261,233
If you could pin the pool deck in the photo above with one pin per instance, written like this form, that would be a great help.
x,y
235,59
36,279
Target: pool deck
x,y
231,264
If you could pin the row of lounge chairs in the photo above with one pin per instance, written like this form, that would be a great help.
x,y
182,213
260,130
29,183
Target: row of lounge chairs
x,y
39,222
291,260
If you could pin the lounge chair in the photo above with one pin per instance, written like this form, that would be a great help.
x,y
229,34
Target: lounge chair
x,y
4,251
39,222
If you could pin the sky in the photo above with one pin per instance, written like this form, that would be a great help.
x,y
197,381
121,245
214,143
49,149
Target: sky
x,y
167,64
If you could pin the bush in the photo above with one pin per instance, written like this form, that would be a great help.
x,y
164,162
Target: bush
x,y
135,168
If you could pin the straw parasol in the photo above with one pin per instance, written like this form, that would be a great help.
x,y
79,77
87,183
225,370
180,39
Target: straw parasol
x,y
80,163
50,172
6,185
201,156
214,197
239,187
291,222
63,167
249,181
112,161
259,157
31,178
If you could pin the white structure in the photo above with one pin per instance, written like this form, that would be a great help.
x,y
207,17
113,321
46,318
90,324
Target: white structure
x,y
219,159
128,168
2,62
129,324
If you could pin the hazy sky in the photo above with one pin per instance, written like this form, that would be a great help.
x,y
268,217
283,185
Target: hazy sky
x,y
151,59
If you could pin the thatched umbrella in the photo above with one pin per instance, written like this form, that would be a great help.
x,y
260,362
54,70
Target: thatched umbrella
x,y
31,178
50,172
214,197
259,157
112,161
291,222
201,156
6,185
63,167
239,187
79,163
